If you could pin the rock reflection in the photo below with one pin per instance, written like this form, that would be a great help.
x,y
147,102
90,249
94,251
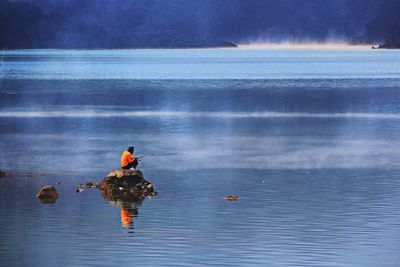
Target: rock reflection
x,y
126,189
48,200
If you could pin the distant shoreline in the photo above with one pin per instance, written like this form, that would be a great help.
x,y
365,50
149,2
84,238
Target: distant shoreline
x,y
256,46
350,48
386,46
117,49
223,44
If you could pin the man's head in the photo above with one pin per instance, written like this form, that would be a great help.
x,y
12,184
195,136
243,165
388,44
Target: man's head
x,y
131,149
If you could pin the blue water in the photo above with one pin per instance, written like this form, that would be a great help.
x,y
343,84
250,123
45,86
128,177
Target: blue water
x,y
307,138
202,64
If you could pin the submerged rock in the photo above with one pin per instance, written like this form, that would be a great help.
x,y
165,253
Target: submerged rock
x,y
48,195
126,185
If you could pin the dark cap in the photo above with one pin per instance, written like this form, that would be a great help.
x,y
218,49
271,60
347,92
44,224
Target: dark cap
x,y
131,148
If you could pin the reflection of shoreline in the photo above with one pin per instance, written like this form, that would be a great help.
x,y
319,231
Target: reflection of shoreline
x,y
26,173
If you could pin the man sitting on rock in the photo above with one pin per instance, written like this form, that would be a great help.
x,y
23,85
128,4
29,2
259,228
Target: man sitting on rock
x,y
128,161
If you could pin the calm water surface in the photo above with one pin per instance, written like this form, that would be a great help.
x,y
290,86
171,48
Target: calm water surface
x,y
308,140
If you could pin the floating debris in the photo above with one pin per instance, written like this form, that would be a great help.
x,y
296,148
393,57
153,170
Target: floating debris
x,y
48,195
232,198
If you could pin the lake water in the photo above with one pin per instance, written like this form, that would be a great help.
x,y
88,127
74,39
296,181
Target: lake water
x,y
309,140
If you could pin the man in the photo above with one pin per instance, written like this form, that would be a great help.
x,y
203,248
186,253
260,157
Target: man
x,y
128,161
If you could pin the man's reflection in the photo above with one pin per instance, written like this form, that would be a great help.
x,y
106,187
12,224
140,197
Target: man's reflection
x,y
129,210
127,218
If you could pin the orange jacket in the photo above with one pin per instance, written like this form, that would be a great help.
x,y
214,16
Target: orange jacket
x,y
126,158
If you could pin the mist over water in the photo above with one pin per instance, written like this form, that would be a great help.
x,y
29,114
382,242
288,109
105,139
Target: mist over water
x,y
180,114
307,138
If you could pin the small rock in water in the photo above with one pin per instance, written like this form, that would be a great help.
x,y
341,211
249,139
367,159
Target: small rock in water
x,y
232,198
90,184
48,195
150,188
58,182
2,173
78,190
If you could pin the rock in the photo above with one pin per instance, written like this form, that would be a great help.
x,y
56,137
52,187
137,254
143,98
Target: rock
x,y
90,184
2,173
48,195
388,45
130,176
78,190
126,185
